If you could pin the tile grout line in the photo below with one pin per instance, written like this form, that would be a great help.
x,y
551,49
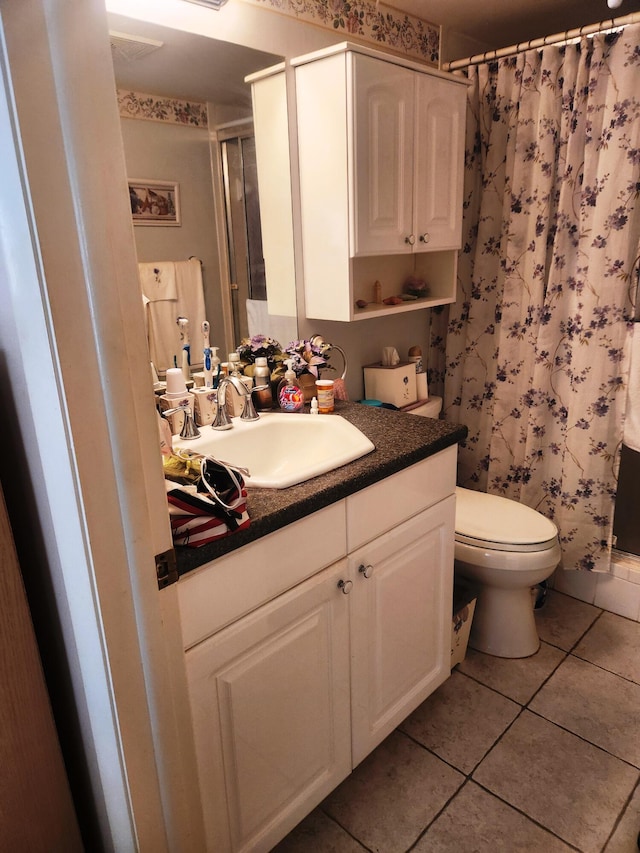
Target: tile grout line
x,y
468,777
618,820
584,739
604,669
523,707
344,829
444,807
527,816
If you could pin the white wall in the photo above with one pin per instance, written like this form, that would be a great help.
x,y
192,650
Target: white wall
x,y
455,45
363,340
618,592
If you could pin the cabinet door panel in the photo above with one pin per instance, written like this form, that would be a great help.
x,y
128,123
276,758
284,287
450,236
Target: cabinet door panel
x,y
270,703
382,160
401,623
439,146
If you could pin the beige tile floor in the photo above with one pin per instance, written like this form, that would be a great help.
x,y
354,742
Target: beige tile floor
x,y
540,754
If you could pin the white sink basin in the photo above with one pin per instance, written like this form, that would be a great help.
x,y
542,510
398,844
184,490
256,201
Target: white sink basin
x,y
282,449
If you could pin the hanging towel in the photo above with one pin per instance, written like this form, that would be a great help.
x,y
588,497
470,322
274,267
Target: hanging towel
x,y
163,333
162,316
158,280
631,435
191,302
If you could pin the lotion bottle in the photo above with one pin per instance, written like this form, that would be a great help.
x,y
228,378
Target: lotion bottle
x,y
262,376
290,394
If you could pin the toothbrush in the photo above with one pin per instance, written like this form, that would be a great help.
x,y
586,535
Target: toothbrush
x,y
208,369
183,325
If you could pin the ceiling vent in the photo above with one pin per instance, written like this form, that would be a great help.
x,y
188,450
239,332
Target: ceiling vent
x,y
129,48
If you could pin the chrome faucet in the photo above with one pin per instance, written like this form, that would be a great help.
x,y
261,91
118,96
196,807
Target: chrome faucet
x,y
222,420
189,428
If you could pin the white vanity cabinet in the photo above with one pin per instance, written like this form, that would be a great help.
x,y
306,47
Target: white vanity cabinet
x,y
400,623
316,668
380,145
270,706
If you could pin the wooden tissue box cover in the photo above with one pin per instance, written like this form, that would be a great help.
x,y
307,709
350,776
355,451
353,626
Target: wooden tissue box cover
x,y
395,384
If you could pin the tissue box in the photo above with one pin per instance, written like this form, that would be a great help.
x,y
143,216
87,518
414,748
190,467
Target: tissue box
x,y
395,384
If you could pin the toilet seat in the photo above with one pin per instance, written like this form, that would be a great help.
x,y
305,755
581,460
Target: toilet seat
x,y
501,524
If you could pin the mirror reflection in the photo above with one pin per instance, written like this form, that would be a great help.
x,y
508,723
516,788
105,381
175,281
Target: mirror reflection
x,y
186,119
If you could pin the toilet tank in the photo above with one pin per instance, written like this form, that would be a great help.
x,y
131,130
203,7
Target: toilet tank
x,y
429,409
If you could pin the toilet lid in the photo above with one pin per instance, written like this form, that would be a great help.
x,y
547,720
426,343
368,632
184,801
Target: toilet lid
x,y
501,524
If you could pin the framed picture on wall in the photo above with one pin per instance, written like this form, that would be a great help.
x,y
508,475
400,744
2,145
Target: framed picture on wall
x,y
154,202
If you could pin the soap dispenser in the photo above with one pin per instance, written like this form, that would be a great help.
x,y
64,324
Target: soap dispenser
x,y
290,394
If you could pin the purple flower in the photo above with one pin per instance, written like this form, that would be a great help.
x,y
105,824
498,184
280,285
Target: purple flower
x,y
260,345
307,357
618,220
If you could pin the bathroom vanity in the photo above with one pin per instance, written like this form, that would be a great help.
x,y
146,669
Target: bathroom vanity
x,y
306,646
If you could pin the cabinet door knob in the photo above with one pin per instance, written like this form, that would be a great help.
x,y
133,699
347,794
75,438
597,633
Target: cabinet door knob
x,y
367,570
424,238
410,239
345,586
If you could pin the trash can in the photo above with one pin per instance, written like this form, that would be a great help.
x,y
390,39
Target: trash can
x,y
464,604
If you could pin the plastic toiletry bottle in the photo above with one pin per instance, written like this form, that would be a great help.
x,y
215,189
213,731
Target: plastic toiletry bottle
x,y
176,395
290,394
215,367
234,364
232,401
314,406
415,355
263,400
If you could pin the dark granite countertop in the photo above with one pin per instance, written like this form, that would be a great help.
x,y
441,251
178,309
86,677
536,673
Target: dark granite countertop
x,y
400,440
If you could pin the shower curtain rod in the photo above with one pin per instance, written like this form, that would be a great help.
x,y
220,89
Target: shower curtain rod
x,y
558,38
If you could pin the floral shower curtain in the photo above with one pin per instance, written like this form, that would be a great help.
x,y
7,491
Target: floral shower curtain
x,y
534,354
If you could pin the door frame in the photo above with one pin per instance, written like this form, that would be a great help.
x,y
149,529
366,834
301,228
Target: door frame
x,y
90,489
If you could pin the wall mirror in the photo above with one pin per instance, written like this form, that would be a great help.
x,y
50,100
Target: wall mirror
x,y
213,166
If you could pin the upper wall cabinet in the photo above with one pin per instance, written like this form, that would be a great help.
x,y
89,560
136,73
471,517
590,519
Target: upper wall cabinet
x,y
381,149
407,170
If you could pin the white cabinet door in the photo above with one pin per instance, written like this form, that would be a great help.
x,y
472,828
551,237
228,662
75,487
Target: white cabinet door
x,y
383,138
270,706
439,163
408,135
400,623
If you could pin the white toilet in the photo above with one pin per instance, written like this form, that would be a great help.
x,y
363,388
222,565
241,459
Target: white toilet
x,y
505,548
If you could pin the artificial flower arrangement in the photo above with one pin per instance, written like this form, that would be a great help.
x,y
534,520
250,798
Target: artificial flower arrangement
x,y
307,356
260,345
